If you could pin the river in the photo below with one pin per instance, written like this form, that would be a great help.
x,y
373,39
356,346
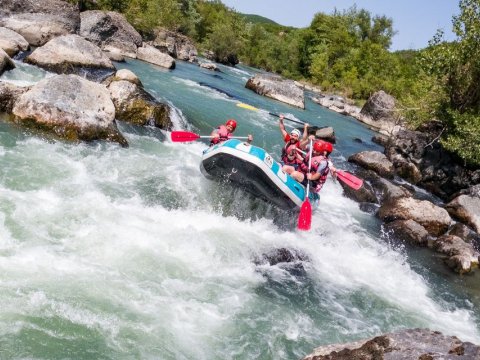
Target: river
x,y
130,253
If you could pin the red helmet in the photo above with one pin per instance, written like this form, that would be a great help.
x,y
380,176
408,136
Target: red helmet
x,y
320,146
232,123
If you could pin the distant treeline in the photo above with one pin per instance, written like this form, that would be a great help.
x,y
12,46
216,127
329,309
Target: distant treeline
x,y
345,52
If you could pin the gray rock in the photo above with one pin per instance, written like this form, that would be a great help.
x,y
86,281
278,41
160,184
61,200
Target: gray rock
x,y
134,105
127,75
275,87
69,54
326,133
110,31
466,208
11,42
71,108
9,94
421,344
380,106
373,160
209,66
176,45
5,62
461,256
435,219
40,21
409,231
152,55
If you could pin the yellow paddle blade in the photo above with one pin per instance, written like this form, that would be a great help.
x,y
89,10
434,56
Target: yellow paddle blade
x,y
246,106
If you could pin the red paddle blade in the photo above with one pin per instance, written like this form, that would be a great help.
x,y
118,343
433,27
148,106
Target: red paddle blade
x,y
184,136
349,179
305,216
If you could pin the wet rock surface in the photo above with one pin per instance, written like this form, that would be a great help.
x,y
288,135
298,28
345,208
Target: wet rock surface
x,y
422,344
11,42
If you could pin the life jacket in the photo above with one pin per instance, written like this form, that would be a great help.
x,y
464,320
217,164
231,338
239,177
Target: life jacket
x,y
316,161
285,158
223,133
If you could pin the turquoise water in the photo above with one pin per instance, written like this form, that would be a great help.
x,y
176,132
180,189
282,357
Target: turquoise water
x,y
112,253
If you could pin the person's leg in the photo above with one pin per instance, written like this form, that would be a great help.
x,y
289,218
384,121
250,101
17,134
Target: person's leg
x,y
288,169
298,176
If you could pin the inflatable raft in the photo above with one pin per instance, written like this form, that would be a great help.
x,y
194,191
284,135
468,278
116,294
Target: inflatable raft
x,y
254,170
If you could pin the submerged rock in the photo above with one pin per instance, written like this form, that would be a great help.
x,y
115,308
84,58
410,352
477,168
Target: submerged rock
x,y
422,344
71,108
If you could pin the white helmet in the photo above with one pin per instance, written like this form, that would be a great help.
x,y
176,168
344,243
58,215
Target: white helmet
x,y
295,132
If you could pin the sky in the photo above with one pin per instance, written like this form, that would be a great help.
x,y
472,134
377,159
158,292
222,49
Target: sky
x,y
416,21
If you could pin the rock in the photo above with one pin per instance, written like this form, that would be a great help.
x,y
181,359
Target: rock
x,y
70,54
461,256
9,94
366,194
115,55
288,259
152,55
381,139
467,209
71,108
380,106
275,87
11,42
40,21
327,134
419,158
134,105
110,31
176,45
435,219
373,160
466,234
421,344
127,75
5,62
209,66
409,231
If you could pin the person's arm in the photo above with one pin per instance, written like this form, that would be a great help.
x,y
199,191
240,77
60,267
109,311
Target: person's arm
x,y
304,142
282,126
323,165
305,132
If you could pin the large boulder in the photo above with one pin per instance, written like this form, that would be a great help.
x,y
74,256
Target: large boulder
x,y
460,256
275,87
466,208
152,55
40,21
70,107
409,231
134,105
176,45
433,218
110,31
6,63
420,158
9,94
71,54
421,344
380,106
373,160
11,42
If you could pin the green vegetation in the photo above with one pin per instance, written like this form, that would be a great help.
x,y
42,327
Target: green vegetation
x,y
346,52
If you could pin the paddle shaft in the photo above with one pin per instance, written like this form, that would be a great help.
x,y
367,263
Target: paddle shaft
x,y
292,120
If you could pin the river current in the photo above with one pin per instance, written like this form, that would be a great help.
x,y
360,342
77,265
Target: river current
x,y
130,253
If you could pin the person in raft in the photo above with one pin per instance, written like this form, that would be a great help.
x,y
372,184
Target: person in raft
x,y
320,168
291,158
225,132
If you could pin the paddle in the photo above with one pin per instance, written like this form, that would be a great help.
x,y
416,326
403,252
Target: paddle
x,y
250,107
349,179
305,216
184,136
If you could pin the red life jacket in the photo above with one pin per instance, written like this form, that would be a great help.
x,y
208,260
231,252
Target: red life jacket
x,y
285,159
316,161
223,133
